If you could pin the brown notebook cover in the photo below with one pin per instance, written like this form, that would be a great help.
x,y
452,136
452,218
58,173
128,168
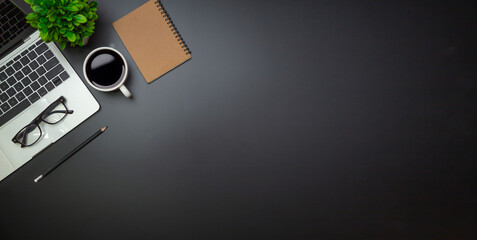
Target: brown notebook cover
x,y
152,40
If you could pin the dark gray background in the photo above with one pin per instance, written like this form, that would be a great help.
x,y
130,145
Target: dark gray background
x,y
293,120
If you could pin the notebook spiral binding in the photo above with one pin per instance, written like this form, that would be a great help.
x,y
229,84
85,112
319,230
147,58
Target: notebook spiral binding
x,y
172,27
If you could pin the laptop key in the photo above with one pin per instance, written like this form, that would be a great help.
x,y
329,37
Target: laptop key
x,y
7,35
12,101
57,81
41,48
51,63
26,81
14,111
49,86
35,86
41,59
42,91
27,91
33,76
13,28
41,70
26,70
42,81
3,76
33,65
54,72
48,54
11,92
3,86
24,60
20,96
34,97
64,75
10,71
5,107
18,86
32,55
18,76
3,97
17,66
11,81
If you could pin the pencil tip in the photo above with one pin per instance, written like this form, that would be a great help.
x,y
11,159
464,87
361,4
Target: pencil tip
x,y
38,178
104,129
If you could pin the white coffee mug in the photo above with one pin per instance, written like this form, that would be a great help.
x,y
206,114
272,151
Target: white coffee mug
x,y
119,84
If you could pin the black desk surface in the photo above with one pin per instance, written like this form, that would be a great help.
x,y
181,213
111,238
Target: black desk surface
x,y
293,120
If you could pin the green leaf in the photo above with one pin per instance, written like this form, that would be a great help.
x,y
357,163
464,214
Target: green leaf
x,y
65,22
71,36
44,34
37,9
52,18
32,16
43,20
80,18
71,8
79,6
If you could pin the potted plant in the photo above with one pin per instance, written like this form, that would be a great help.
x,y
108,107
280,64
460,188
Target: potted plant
x,y
63,21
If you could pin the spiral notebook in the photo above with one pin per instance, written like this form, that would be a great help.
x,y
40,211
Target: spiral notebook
x,y
152,40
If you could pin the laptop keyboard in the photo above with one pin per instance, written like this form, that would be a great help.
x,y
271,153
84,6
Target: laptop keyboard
x,y
30,75
12,22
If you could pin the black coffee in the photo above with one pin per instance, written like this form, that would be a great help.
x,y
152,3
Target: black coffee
x,y
105,68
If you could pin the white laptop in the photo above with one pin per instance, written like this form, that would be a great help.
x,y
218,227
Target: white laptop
x,y
34,75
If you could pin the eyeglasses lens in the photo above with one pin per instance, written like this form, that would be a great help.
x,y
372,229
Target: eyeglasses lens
x,y
29,135
54,113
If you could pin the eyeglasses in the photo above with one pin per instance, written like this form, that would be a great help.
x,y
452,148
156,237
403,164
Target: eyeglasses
x,y
53,114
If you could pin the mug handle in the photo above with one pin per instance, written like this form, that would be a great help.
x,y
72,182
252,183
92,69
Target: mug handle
x,y
125,91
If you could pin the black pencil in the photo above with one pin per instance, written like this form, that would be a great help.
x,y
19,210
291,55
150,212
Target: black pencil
x,y
71,154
